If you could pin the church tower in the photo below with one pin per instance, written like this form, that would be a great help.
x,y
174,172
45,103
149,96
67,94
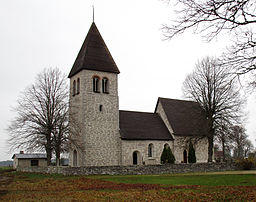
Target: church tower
x,y
94,108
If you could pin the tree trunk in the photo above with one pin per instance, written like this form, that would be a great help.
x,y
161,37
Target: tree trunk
x,y
57,151
48,149
57,140
210,139
210,149
49,156
239,151
223,150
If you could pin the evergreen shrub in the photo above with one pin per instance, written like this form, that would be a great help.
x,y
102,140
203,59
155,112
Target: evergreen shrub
x,y
191,154
167,156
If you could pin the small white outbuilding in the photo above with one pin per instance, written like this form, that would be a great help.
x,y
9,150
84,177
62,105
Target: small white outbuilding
x,y
29,160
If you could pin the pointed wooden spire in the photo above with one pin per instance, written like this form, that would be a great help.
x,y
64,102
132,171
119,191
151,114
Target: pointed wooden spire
x,y
94,55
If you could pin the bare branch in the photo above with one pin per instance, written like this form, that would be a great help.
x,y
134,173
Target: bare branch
x,y
212,17
42,114
214,88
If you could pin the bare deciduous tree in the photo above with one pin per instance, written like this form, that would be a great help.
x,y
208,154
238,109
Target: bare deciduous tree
x,y
42,115
240,140
212,86
60,135
248,147
211,17
223,138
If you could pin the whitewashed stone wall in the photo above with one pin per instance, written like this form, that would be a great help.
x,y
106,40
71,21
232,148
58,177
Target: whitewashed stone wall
x,y
22,163
76,121
162,114
181,143
201,149
200,146
141,146
99,129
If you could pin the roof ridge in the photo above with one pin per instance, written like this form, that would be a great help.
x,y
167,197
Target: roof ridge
x,y
177,99
137,111
31,153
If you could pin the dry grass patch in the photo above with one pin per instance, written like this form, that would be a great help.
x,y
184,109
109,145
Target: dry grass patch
x,y
36,187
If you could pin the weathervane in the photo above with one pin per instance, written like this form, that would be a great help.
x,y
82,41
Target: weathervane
x,y
92,13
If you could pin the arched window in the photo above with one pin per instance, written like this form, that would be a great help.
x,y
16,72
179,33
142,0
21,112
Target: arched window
x,y
78,86
105,85
96,84
166,146
74,88
150,150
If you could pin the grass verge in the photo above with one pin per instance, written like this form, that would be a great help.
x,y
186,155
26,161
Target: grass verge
x,y
194,179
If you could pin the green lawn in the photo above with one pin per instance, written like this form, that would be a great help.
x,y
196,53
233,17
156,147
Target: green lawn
x,y
5,168
192,179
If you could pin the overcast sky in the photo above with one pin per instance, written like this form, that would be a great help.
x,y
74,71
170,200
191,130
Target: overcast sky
x,y
49,33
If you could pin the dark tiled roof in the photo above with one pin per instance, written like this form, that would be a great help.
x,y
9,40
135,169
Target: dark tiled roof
x,y
142,126
185,117
30,156
94,55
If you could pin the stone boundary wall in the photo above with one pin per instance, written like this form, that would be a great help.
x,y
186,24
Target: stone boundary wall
x,y
134,170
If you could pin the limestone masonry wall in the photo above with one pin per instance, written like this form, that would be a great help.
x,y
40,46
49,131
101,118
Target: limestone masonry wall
x,y
99,125
134,170
181,142
141,146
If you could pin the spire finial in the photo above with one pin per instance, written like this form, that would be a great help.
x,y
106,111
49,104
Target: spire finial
x,y
92,13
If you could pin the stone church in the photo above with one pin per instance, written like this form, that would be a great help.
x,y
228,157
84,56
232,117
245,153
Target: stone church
x,y
103,135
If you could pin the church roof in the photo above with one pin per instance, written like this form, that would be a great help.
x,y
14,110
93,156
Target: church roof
x,y
94,55
185,117
142,126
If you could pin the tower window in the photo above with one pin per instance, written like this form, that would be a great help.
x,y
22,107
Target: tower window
x,y
100,108
78,86
74,88
105,85
96,84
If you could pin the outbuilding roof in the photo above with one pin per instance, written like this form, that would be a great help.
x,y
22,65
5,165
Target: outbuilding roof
x,y
185,117
142,126
30,156
94,54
